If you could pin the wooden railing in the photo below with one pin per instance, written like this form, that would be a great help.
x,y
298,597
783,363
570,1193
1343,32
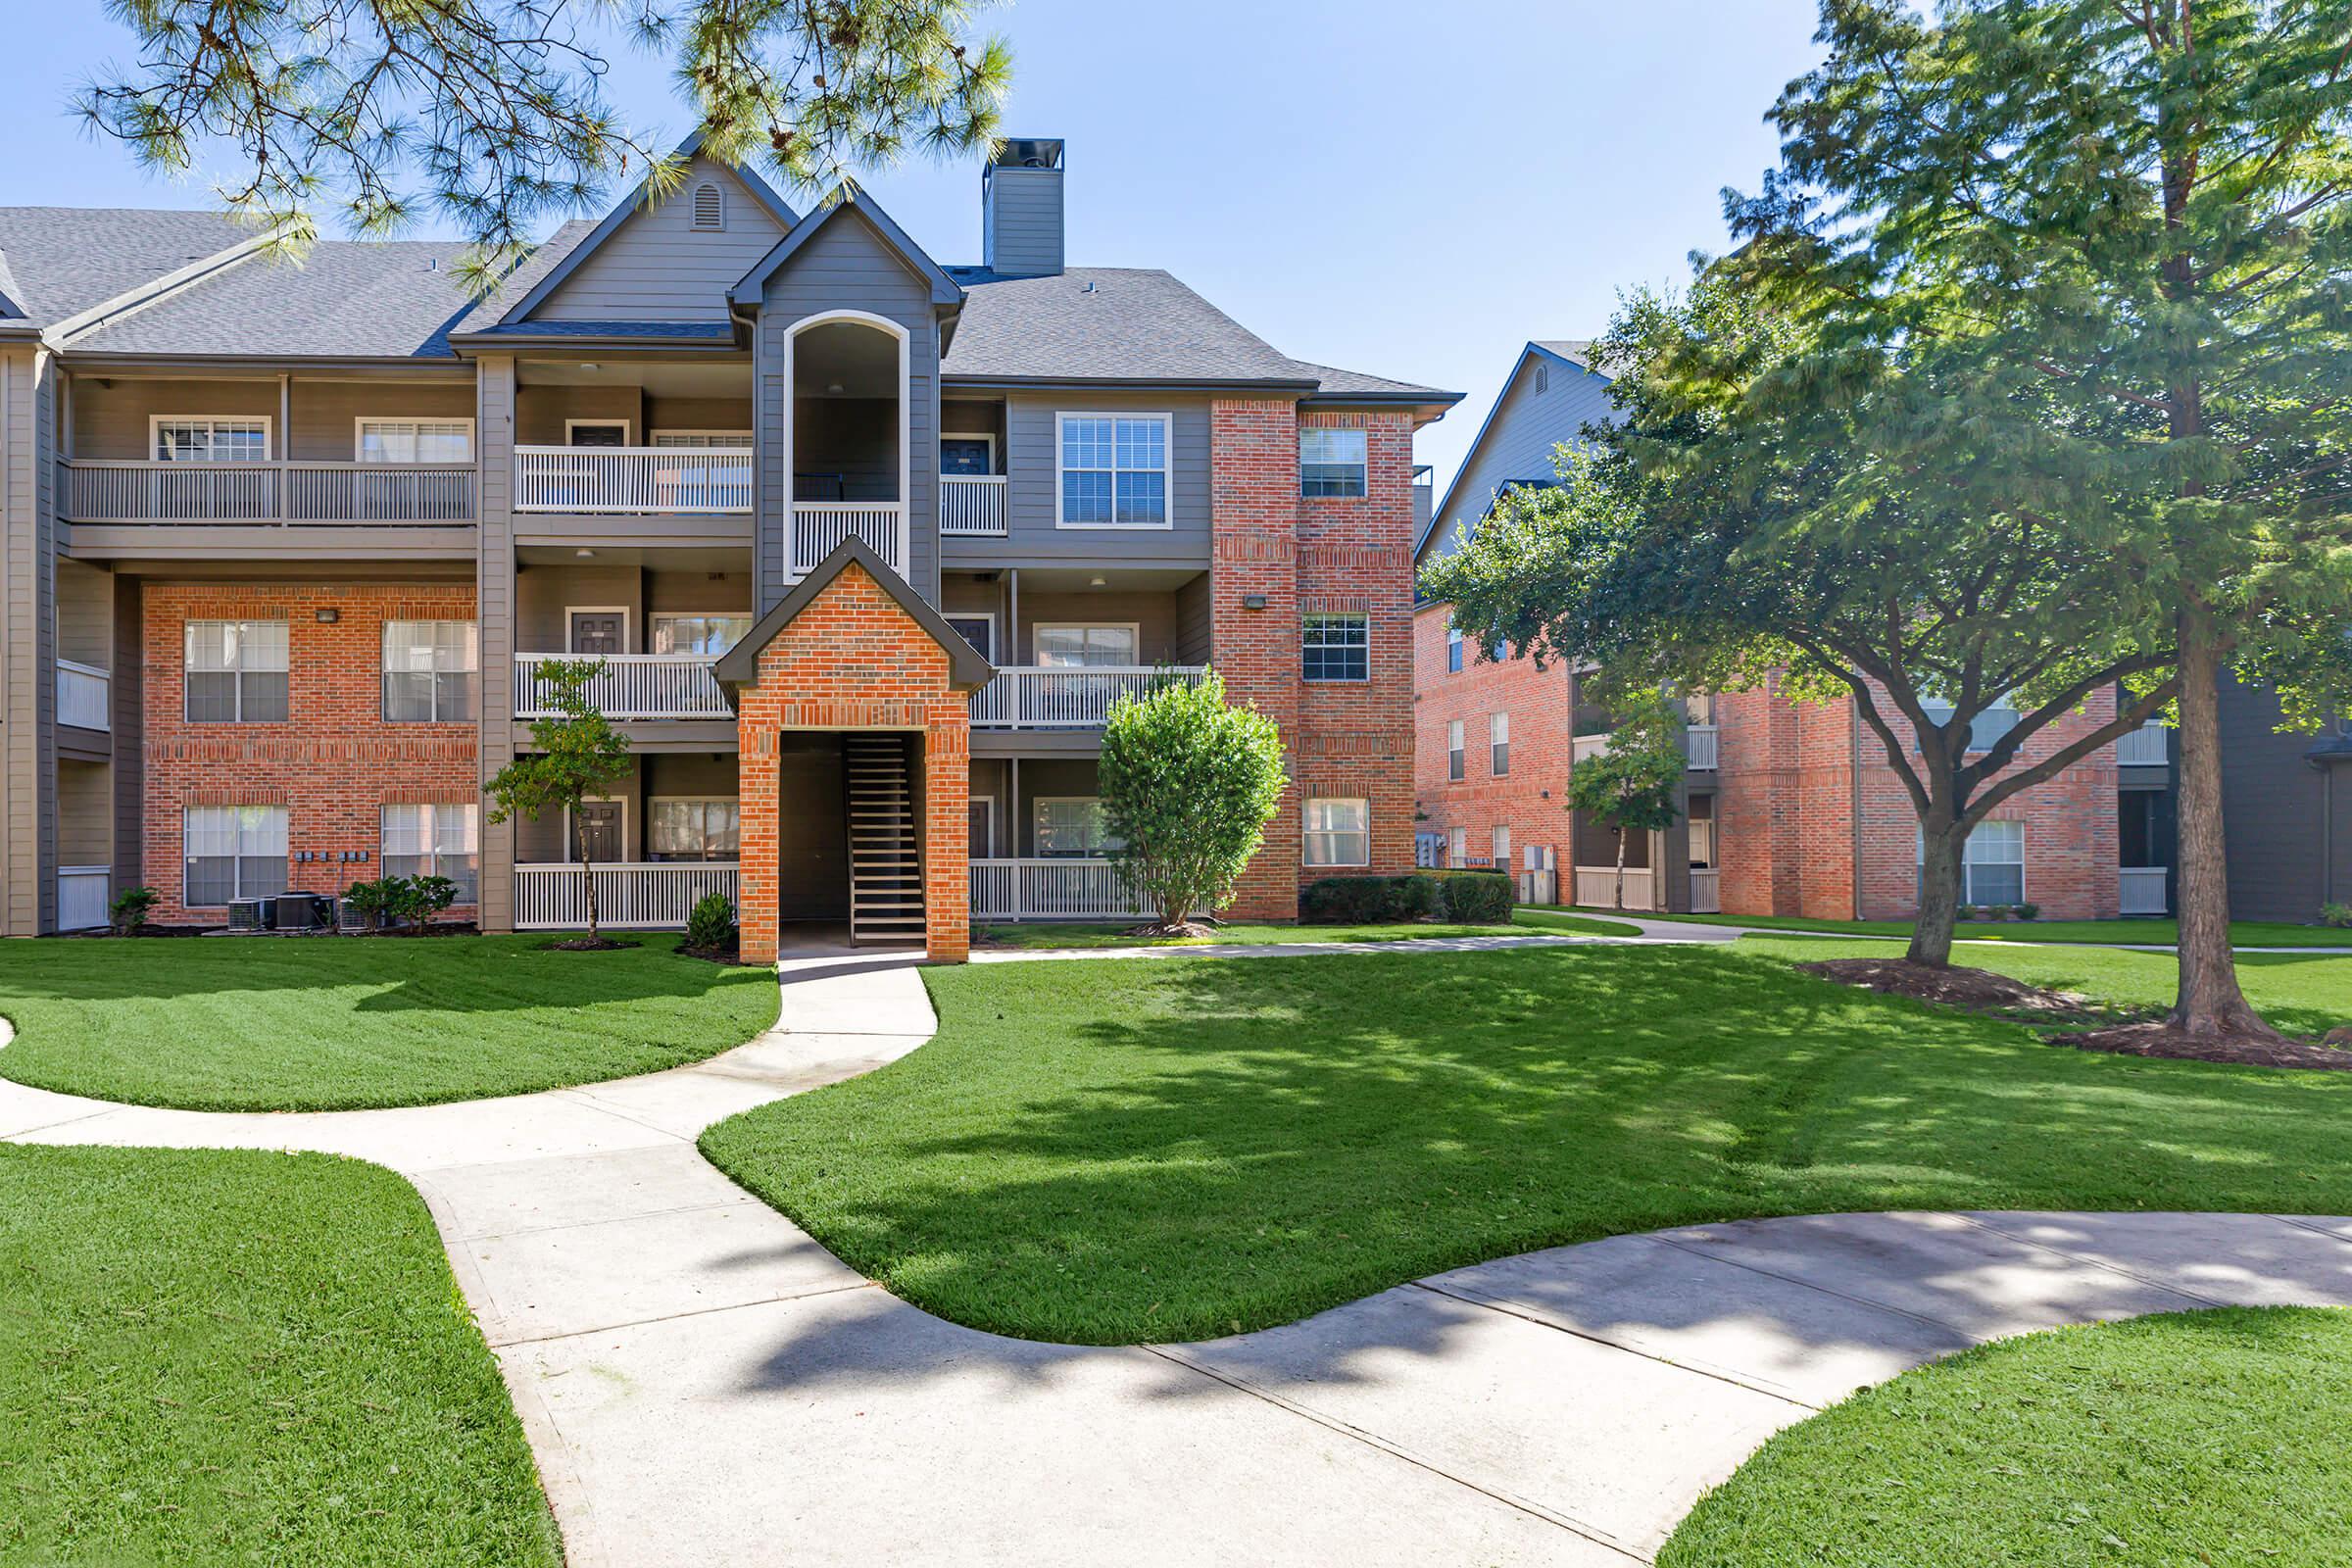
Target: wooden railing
x,y
2145,746
1596,887
820,526
107,490
1049,890
83,895
971,503
642,479
83,692
1700,747
2143,889
644,896
630,686
1063,697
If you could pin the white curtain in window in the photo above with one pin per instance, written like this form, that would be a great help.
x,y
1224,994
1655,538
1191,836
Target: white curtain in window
x,y
699,634
416,441
1339,832
1068,647
1069,827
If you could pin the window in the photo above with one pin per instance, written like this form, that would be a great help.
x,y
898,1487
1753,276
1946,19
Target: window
x,y
1339,832
1543,378
1331,462
1992,864
232,852
1499,745
429,671
416,441
1069,827
699,634
703,440
1114,470
1502,848
1701,819
440,839
1076,647
236,671
1985,728
701,829
710,206
1453,749
1454,651
210,440
1339,646
1457,846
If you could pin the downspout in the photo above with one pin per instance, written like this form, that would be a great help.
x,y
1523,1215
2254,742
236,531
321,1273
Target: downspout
x,y
1855,809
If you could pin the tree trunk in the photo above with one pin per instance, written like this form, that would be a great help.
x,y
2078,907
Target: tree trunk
x,y
1621,868
1940,848
2209,1004
579,847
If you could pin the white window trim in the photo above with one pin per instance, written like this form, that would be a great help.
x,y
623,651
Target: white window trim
x,y
1038,802
652,801
236,891
2022,862
989,436
1455,660
1457,845
989,800
1307,834
383,851
621,801
1168,473
628,629
661,430
358,431
474,669
652,624
628,429
1457,757
1364,494
268,423
904,392
1133,628
1305,617
186,670
1501,845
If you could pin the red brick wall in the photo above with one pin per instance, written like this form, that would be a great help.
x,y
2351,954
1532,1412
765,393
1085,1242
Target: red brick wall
x,y
1307,557
1531,800
855,659
334,764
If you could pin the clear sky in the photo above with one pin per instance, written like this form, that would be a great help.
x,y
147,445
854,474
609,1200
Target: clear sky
x,y
1403,188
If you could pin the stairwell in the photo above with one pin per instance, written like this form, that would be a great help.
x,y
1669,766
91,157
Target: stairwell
x,y
886,870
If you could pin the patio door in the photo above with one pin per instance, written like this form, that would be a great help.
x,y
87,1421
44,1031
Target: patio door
x,y
597,829
599,631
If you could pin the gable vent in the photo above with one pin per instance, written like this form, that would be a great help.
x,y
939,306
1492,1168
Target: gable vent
x,y
710,206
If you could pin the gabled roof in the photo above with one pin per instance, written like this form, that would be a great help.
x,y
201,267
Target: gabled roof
x,y
344,299
739,665
749,289
1576,353
66,259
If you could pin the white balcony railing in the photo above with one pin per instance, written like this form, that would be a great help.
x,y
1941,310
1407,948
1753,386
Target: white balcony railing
x,y
1701,747
646,896
971,502
1582,745
819,529
99,490
1596,887
1041,697
83,895
630,686
83,695
641,479
2145,746
2143,889
1049,890
1706,891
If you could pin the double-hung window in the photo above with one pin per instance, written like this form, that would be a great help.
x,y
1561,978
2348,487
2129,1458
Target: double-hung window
x,y
1457,846
1502,846
232,852
1988,727
1453,751
1114,470
416,441
1331,462
1080,647
235,672
1339,831
1498,744
1069,827
1992,864
429,671
699,634
1339,646
1453,650
700,829
436,840
205,439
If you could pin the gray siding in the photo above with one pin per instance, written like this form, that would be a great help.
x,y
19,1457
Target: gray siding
x,y
1518,440
1031,459
2287,857
86,613
128,694
320,416
494,587
1195,616
1020,221
27,560
656,266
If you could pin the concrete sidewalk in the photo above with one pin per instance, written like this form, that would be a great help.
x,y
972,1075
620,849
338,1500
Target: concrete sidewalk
x,y
704,1383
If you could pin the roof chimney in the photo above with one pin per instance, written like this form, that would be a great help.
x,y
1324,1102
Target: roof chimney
x,y
1020,209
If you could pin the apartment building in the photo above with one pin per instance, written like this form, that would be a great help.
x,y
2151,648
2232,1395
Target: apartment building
x,y
868,544
1789,809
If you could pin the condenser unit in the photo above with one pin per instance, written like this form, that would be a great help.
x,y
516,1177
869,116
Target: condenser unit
x,y
250,915
298,911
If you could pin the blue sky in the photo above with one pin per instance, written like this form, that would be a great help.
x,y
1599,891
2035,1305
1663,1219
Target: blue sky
x,y
1407,189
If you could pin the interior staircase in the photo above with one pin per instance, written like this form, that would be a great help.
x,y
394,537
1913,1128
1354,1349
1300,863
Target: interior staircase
x,y
886,869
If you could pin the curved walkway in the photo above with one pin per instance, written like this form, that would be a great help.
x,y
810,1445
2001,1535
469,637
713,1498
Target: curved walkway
x,y
704,1383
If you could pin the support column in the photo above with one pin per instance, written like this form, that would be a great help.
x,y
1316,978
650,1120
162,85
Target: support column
x,y
28,648
494,605
1253,597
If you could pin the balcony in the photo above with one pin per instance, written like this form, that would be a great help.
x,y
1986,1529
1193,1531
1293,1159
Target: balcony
x,y
83,695
1700,746
1066,697
2148,746
630,686
971,506
649,480
2141,889
652,896
1049,890
819,529
82,896
1596,887
1582,748
102,490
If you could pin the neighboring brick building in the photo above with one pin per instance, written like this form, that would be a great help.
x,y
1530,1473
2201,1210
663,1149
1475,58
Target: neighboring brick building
x,y
1468,813
288,549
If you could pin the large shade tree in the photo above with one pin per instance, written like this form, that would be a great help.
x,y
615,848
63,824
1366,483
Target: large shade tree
x,y
492,114
2123,229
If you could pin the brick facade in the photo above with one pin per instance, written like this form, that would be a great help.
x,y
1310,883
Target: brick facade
x,y
854,659
334,764
1306,556
1530,798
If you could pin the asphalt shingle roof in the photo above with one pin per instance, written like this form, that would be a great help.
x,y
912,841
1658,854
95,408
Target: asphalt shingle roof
x,y
344,299
63,260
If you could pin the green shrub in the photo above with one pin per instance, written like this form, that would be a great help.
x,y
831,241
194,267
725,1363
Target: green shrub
x,y
2336,915
1416,898
417,899
372,901
1480,898
129,909
710,923
2027,911
1344,901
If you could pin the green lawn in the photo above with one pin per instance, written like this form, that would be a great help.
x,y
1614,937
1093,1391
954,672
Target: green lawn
x,y
2198,1437
1117,936
258,1023
213,1357
2162,933
1113,1152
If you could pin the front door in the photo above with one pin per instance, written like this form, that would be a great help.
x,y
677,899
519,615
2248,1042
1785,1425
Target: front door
x,y
597,828
980,631
982,826
598,631
965,455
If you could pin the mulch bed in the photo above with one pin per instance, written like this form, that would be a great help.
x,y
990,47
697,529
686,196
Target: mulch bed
x,y
585,945
729,956
2160,1039
1970,990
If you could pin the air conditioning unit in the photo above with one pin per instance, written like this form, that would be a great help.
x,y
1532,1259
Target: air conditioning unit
x,y
250,914
299,912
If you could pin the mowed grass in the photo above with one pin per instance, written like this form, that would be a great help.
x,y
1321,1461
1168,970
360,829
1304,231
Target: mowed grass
x,y
227,1357
1078,935
2157,933
1122,1151
226,1023
2197,1437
